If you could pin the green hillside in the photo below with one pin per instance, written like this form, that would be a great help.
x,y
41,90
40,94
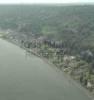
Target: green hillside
x,y
74,25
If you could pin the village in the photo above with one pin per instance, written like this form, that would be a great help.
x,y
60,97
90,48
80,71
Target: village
x,y
73,65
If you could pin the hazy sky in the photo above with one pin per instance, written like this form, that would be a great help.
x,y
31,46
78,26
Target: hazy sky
x,y
46,1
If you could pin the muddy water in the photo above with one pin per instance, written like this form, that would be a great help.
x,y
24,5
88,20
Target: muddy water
x,y
30,78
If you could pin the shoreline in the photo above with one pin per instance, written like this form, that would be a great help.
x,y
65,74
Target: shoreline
x,y
78,85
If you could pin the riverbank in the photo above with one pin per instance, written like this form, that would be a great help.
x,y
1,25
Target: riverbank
x,y
91,96
35,52
30,77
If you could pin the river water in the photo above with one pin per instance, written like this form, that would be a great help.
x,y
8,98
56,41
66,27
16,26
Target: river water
x,y
29,78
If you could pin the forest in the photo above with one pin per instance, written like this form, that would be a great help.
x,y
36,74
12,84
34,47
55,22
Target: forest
x,y
74,25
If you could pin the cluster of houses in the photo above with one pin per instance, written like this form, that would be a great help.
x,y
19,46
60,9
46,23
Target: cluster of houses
x,y
60,50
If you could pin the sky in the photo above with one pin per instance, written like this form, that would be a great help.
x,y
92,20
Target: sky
x,y
44,1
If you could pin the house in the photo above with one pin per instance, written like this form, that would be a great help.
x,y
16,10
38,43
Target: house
x,y
68,58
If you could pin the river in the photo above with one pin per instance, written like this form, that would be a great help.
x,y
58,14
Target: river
x,y
25,77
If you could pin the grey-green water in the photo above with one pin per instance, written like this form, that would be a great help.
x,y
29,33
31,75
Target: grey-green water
x,y
30,78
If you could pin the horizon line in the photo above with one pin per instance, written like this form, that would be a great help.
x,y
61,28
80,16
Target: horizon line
x,y
24,3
